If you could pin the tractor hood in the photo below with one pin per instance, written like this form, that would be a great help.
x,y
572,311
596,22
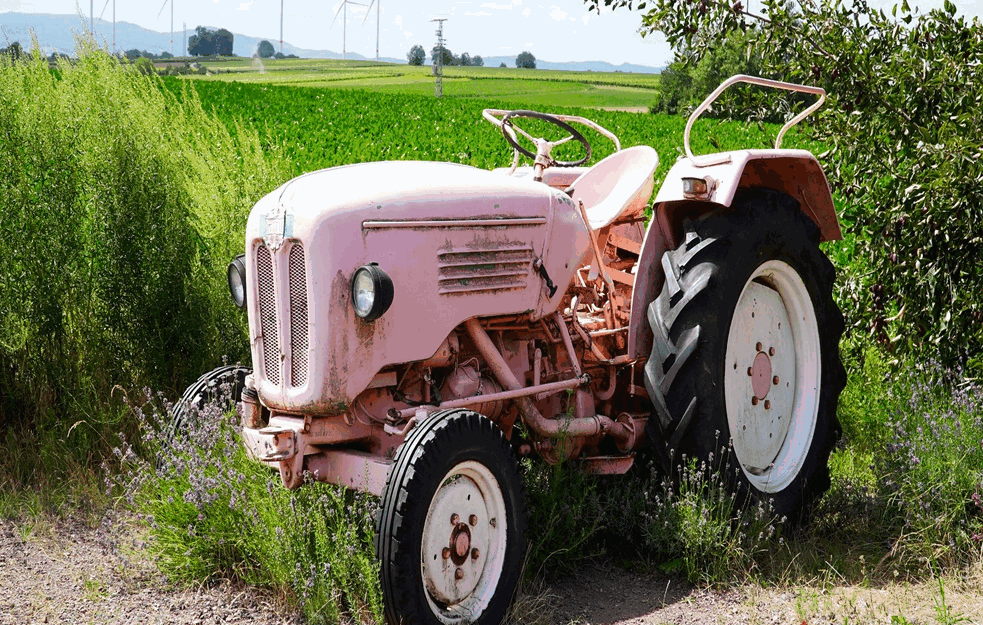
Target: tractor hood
x,y
457,242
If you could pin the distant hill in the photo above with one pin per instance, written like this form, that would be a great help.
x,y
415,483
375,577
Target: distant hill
x,y
577,66
56,33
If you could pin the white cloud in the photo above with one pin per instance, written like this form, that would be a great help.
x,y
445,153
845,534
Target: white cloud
x,y
477,13
526,12
558,14
246,6
496,7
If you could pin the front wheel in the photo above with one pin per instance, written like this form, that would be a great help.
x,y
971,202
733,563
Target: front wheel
x,y
745,371
451,534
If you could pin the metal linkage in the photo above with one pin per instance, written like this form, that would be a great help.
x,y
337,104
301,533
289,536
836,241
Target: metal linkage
x,y
762,82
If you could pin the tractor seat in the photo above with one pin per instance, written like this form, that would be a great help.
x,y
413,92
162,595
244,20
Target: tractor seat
x,y
618,186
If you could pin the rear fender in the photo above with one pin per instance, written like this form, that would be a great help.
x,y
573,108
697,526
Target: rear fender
x,y
796,173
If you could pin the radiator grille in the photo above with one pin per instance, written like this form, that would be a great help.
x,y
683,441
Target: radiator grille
x,y
471,270
298,316
267,314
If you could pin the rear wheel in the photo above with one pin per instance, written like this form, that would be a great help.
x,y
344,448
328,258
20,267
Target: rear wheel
x,y
745,370
451,532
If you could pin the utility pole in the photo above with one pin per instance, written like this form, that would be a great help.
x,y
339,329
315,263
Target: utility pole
x,y
92,19
172,27
438,61
114,26
184,49
378,10
281,27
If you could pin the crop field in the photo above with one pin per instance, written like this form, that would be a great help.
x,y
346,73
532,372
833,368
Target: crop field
x,y
605,90
316,128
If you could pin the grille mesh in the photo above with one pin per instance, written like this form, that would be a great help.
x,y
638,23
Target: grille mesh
x,y
298,317
267,314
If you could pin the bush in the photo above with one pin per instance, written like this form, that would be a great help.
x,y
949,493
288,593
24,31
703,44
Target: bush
x,y
903,128
120,204
214,512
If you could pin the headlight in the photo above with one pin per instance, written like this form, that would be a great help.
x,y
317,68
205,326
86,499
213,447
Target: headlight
x,y
372,292
237,280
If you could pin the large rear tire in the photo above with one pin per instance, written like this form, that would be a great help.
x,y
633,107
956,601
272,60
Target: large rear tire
x,y
745,371
451,534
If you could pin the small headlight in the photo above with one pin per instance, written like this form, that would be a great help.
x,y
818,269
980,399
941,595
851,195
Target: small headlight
x,y
237,280
372,292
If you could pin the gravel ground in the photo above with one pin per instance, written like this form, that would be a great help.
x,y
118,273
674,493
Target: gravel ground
x,y
73,574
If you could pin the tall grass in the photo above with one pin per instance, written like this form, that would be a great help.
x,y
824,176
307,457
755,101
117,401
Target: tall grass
x,y
120,204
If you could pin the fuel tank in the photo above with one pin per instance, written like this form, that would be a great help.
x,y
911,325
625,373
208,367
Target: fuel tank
x,y
457,242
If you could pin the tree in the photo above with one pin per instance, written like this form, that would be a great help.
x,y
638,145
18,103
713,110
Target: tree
x,y
446,55
223,42
502,64
477,61
201,43
206,42
14,51
265,50
525,60
417,55
465,60
902,130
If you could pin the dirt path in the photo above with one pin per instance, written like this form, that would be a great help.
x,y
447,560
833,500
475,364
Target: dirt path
x,y
74,575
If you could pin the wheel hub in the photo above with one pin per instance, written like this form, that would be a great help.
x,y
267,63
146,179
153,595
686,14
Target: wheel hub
x,y
463,539
771,378
761,375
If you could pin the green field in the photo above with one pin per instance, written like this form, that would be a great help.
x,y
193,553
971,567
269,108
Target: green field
x,y
604,90
315,128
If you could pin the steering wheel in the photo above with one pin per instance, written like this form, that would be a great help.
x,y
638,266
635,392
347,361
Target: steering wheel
x,y
507,124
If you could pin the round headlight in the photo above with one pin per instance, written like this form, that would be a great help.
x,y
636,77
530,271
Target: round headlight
x,y
372,292
237,280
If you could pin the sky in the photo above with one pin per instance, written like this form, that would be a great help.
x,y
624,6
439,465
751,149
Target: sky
x,y
554,30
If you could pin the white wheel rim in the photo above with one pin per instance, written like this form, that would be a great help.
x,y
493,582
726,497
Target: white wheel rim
x,y
458,581
772,375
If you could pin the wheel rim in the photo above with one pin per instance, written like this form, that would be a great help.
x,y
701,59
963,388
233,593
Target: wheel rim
x,y
772,375
463,545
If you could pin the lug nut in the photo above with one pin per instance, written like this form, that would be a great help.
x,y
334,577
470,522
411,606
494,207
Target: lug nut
x,y
757,347
750,372
475,553
445,553
754,401
767,404
455,519
459,574
473,520
771,351
774,380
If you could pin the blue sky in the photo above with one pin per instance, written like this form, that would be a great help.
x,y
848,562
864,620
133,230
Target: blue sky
x,y
555,30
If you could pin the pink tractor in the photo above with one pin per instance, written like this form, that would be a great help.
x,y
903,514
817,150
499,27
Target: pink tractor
x,y
417,327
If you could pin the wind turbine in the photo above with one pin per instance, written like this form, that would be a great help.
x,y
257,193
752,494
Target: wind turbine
x,y
114,20
344,26
378,8
172,21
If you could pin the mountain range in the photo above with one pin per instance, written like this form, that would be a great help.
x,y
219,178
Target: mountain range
x,y
56,33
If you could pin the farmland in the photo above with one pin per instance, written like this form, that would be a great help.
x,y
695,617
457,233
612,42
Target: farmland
x,y
315,128
604,90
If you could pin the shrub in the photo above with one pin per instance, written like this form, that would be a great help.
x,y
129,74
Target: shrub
x,y
903,128
212,511
120,205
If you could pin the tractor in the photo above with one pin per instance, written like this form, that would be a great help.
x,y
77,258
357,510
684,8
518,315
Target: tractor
x,y
417,328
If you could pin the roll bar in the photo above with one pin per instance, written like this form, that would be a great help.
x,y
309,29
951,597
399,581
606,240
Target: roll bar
x,y
762,82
